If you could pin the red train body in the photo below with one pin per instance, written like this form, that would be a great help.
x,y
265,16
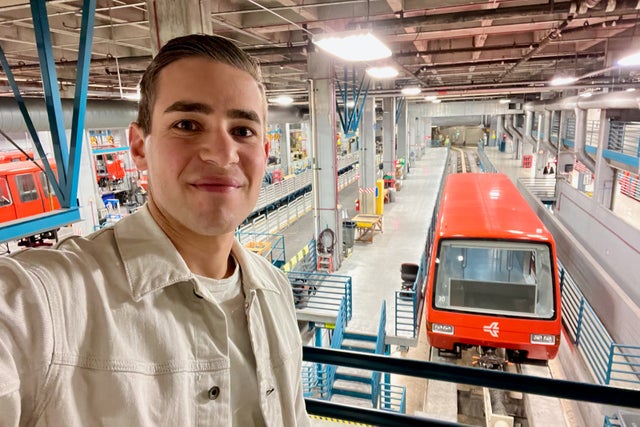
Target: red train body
x,y
493,279
24,191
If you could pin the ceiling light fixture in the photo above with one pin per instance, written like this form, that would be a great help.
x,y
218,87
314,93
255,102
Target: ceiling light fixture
x,y
282,100
559,81
586,94
430,98
382,72
631,60
354,46
437,101
504,101
411,90
131,96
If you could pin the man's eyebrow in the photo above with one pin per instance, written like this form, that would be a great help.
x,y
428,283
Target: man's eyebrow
x,y
244,114
189,107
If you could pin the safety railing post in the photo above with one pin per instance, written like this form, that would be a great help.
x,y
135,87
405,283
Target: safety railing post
x,y
579,321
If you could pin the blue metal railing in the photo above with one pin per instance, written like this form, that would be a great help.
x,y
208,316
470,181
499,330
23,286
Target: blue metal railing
x,y
393,397
380,349
271,246
329,290
409,303
336,343
485,163
608,362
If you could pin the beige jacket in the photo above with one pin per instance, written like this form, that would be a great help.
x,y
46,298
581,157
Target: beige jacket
x,y
108,331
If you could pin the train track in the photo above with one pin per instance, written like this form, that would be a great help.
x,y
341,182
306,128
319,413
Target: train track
x,y
479,406
466,160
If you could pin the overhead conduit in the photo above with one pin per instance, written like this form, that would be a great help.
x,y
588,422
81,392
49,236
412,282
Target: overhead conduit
x,y
100,114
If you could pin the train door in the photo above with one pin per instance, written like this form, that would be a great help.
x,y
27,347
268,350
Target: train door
x,y
48,196
28,200
7,207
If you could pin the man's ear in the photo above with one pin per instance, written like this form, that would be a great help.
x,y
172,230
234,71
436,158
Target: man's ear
x,y
267,147
137,146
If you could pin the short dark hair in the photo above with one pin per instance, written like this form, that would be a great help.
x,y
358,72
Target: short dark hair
x,y
194,45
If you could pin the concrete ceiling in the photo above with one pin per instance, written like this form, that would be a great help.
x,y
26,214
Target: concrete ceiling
x,y
458,49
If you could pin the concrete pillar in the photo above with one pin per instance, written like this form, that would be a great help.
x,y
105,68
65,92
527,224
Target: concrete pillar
x,y
604,174
285,149
170,18
324,152
368,166
388,134
403,130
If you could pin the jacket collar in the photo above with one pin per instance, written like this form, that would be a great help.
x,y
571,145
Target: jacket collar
x,y
151,261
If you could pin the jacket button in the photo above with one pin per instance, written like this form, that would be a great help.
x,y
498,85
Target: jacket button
x,y
213,392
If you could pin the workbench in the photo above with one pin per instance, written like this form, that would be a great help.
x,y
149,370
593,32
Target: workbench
x,y
366,226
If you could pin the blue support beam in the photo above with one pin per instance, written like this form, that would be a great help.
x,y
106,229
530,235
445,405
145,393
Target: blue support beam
x,y
15,230
80,99
350,119
51,92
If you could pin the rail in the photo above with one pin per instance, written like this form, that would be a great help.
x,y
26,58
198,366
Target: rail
x,y
380,349
543,188
608,362
606,395
409,303
485,163
323,305
271,246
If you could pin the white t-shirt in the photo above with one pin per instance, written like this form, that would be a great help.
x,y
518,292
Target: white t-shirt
x,y
228,295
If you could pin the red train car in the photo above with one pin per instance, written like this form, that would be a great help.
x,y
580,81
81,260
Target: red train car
x,y
14,156
24,191
493,278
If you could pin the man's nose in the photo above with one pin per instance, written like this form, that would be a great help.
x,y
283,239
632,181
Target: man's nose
x,y
220,148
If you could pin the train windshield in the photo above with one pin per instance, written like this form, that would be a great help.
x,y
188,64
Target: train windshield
x,y
496,277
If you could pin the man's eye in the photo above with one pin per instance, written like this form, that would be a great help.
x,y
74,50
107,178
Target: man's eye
x,y
186,125
243,132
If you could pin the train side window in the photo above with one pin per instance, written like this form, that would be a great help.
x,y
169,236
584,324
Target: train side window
x,y
5,195
26,187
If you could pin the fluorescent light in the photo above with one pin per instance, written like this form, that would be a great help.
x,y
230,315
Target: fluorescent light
x,y
586,94
281,100
631,89
131,96
437,101
559,81
630,60
430,98
411,90
354,47
504,101
350,103
382,72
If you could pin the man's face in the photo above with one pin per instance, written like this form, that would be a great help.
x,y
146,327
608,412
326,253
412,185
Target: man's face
x,y
205,155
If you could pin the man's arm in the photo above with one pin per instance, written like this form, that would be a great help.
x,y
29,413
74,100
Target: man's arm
x,y
26,342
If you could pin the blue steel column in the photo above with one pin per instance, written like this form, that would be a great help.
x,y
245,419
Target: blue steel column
x,y
324,150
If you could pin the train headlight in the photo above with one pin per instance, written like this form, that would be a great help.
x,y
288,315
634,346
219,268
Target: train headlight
x,y
440,328
543,339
